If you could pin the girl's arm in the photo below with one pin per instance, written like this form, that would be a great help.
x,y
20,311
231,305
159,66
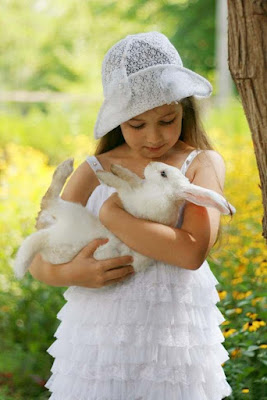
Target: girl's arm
x,y
186,247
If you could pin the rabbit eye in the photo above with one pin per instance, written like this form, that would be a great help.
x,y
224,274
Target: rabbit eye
x,y
163,173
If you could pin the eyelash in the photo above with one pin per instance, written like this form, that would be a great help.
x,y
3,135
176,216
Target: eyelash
x,y
164,123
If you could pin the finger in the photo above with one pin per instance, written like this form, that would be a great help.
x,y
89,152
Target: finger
x,y
112,281
116,262
118,273
91,247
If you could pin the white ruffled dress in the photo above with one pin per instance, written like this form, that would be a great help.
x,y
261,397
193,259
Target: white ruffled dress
x,y
155,336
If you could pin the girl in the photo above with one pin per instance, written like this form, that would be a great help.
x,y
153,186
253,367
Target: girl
x,y
154,335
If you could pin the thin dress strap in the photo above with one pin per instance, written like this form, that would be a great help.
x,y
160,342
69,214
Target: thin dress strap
x,y
94,163
189,159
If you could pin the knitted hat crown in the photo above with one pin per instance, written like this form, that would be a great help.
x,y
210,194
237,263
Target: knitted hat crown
x,y
141,72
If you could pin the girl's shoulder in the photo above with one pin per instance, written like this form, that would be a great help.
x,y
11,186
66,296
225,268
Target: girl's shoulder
x,y
209,170
208,158
202,159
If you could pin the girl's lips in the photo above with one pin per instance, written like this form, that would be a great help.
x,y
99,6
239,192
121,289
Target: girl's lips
x,y
154,148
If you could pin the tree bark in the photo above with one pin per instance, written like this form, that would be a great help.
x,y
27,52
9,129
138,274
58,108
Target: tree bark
x,y
247,46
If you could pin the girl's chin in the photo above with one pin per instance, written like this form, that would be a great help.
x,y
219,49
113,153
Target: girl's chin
x,y
155,153
145,153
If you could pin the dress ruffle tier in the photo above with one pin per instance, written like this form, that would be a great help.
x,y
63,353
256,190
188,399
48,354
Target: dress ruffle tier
x,y
155,336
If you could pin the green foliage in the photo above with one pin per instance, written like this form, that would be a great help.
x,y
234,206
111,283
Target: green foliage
x,y
54,132
59,45
29,322
196,25
232,121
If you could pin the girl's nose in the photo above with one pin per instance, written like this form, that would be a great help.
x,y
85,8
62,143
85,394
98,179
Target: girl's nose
x,y
153,136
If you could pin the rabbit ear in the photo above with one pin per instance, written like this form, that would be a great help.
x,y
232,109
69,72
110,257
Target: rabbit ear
x,y
208,198
126,175
111,180
60,176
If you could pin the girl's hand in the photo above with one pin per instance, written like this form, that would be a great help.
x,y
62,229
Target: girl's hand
x,y
85,270
109,206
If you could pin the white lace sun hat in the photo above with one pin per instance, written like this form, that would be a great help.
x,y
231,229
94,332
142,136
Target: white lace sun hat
x,y
141,72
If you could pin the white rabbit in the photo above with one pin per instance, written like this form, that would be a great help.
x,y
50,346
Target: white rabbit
x,y
66,227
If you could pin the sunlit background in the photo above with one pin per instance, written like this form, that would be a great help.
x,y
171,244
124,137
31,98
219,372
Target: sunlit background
x,y
50,92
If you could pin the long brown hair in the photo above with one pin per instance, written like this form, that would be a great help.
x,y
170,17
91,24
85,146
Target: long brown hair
x,y
192,133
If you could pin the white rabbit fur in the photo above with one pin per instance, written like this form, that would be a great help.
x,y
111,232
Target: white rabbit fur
x,y
67,227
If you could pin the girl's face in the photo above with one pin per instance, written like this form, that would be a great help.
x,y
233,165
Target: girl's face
x,y
153,133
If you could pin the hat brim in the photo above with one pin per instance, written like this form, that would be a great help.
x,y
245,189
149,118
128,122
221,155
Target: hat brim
x,y
180,83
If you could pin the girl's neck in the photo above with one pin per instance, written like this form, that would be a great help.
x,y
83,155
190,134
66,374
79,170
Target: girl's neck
x,y
134,162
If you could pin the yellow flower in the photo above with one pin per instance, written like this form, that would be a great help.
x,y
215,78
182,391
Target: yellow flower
x,y
253,325
261,270
226,322
228,332
260,322
256,300
249,326
241,269
238,310
241,295
251,315
244,260
236,281
258,259
222,294
263,346
236,353
245,390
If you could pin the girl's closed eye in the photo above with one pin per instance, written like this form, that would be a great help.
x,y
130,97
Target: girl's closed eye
x,y
161,122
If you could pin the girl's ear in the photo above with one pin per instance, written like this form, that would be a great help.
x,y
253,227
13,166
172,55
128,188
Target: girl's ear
x,y
112,180
208,198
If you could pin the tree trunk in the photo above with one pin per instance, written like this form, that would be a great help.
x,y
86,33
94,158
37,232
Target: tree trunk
x,y
247,46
